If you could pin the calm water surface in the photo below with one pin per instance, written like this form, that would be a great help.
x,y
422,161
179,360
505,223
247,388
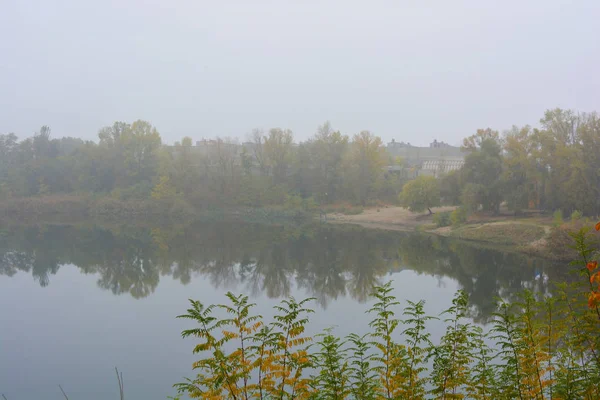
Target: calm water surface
x,y
78,301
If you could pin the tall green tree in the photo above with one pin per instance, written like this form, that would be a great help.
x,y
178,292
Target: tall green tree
x,y
278,149
133,149
256,148
520,174
483,166
450,188
141,144
363,165
9,163
223,167
421,194
185,166
328,148
564,151
589,137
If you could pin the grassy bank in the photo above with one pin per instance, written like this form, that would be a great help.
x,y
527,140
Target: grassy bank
x,y
530,236
505,233
76,208
536,234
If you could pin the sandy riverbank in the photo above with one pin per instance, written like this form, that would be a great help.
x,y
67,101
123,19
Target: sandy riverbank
x,y
392,218
522,234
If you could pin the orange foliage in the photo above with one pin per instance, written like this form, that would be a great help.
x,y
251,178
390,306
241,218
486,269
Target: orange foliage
x,y
594,299
592,265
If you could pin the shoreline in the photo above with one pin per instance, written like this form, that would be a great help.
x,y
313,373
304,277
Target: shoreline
x,y
78,208
525,235
532,234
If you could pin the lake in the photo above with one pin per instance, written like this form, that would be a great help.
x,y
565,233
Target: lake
x,y
78,301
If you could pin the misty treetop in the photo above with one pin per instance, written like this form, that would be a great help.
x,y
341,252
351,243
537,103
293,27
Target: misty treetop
x,y
551,167
554,167
130,162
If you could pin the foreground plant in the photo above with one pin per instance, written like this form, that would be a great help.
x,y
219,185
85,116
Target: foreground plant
x,y
537,348
453,356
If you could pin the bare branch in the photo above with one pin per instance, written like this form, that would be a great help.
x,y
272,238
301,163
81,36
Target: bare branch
x,y
120,381
4,397
63,392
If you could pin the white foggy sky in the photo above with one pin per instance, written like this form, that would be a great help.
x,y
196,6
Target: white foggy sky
x,y
409,70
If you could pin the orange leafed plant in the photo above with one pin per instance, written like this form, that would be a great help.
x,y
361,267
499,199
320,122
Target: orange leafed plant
x,y
592,265
594,299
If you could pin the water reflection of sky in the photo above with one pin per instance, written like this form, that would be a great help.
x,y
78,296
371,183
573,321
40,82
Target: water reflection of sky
x,y
63,324
73,334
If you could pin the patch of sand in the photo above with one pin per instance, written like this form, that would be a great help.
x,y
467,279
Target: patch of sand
x,y
387,217
443,231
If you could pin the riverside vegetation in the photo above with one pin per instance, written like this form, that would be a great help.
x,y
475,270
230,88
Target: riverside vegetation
x,y
129,172
537,348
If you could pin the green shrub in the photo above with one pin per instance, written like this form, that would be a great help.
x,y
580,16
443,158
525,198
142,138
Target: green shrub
x,y
442,219
458,216
352,210
472,196
273,195
139,191
111,208
254,192
293,202
557,218
576,215
309,204
180,208
45,206
560,243
508,233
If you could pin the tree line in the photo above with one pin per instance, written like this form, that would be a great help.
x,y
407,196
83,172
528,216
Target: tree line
x,y
554,167
547,168
130,162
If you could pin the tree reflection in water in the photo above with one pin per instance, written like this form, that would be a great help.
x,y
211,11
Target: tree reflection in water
x,y
324,260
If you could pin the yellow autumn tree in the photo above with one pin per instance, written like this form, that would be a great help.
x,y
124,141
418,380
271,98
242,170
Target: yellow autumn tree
x,y
164,189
